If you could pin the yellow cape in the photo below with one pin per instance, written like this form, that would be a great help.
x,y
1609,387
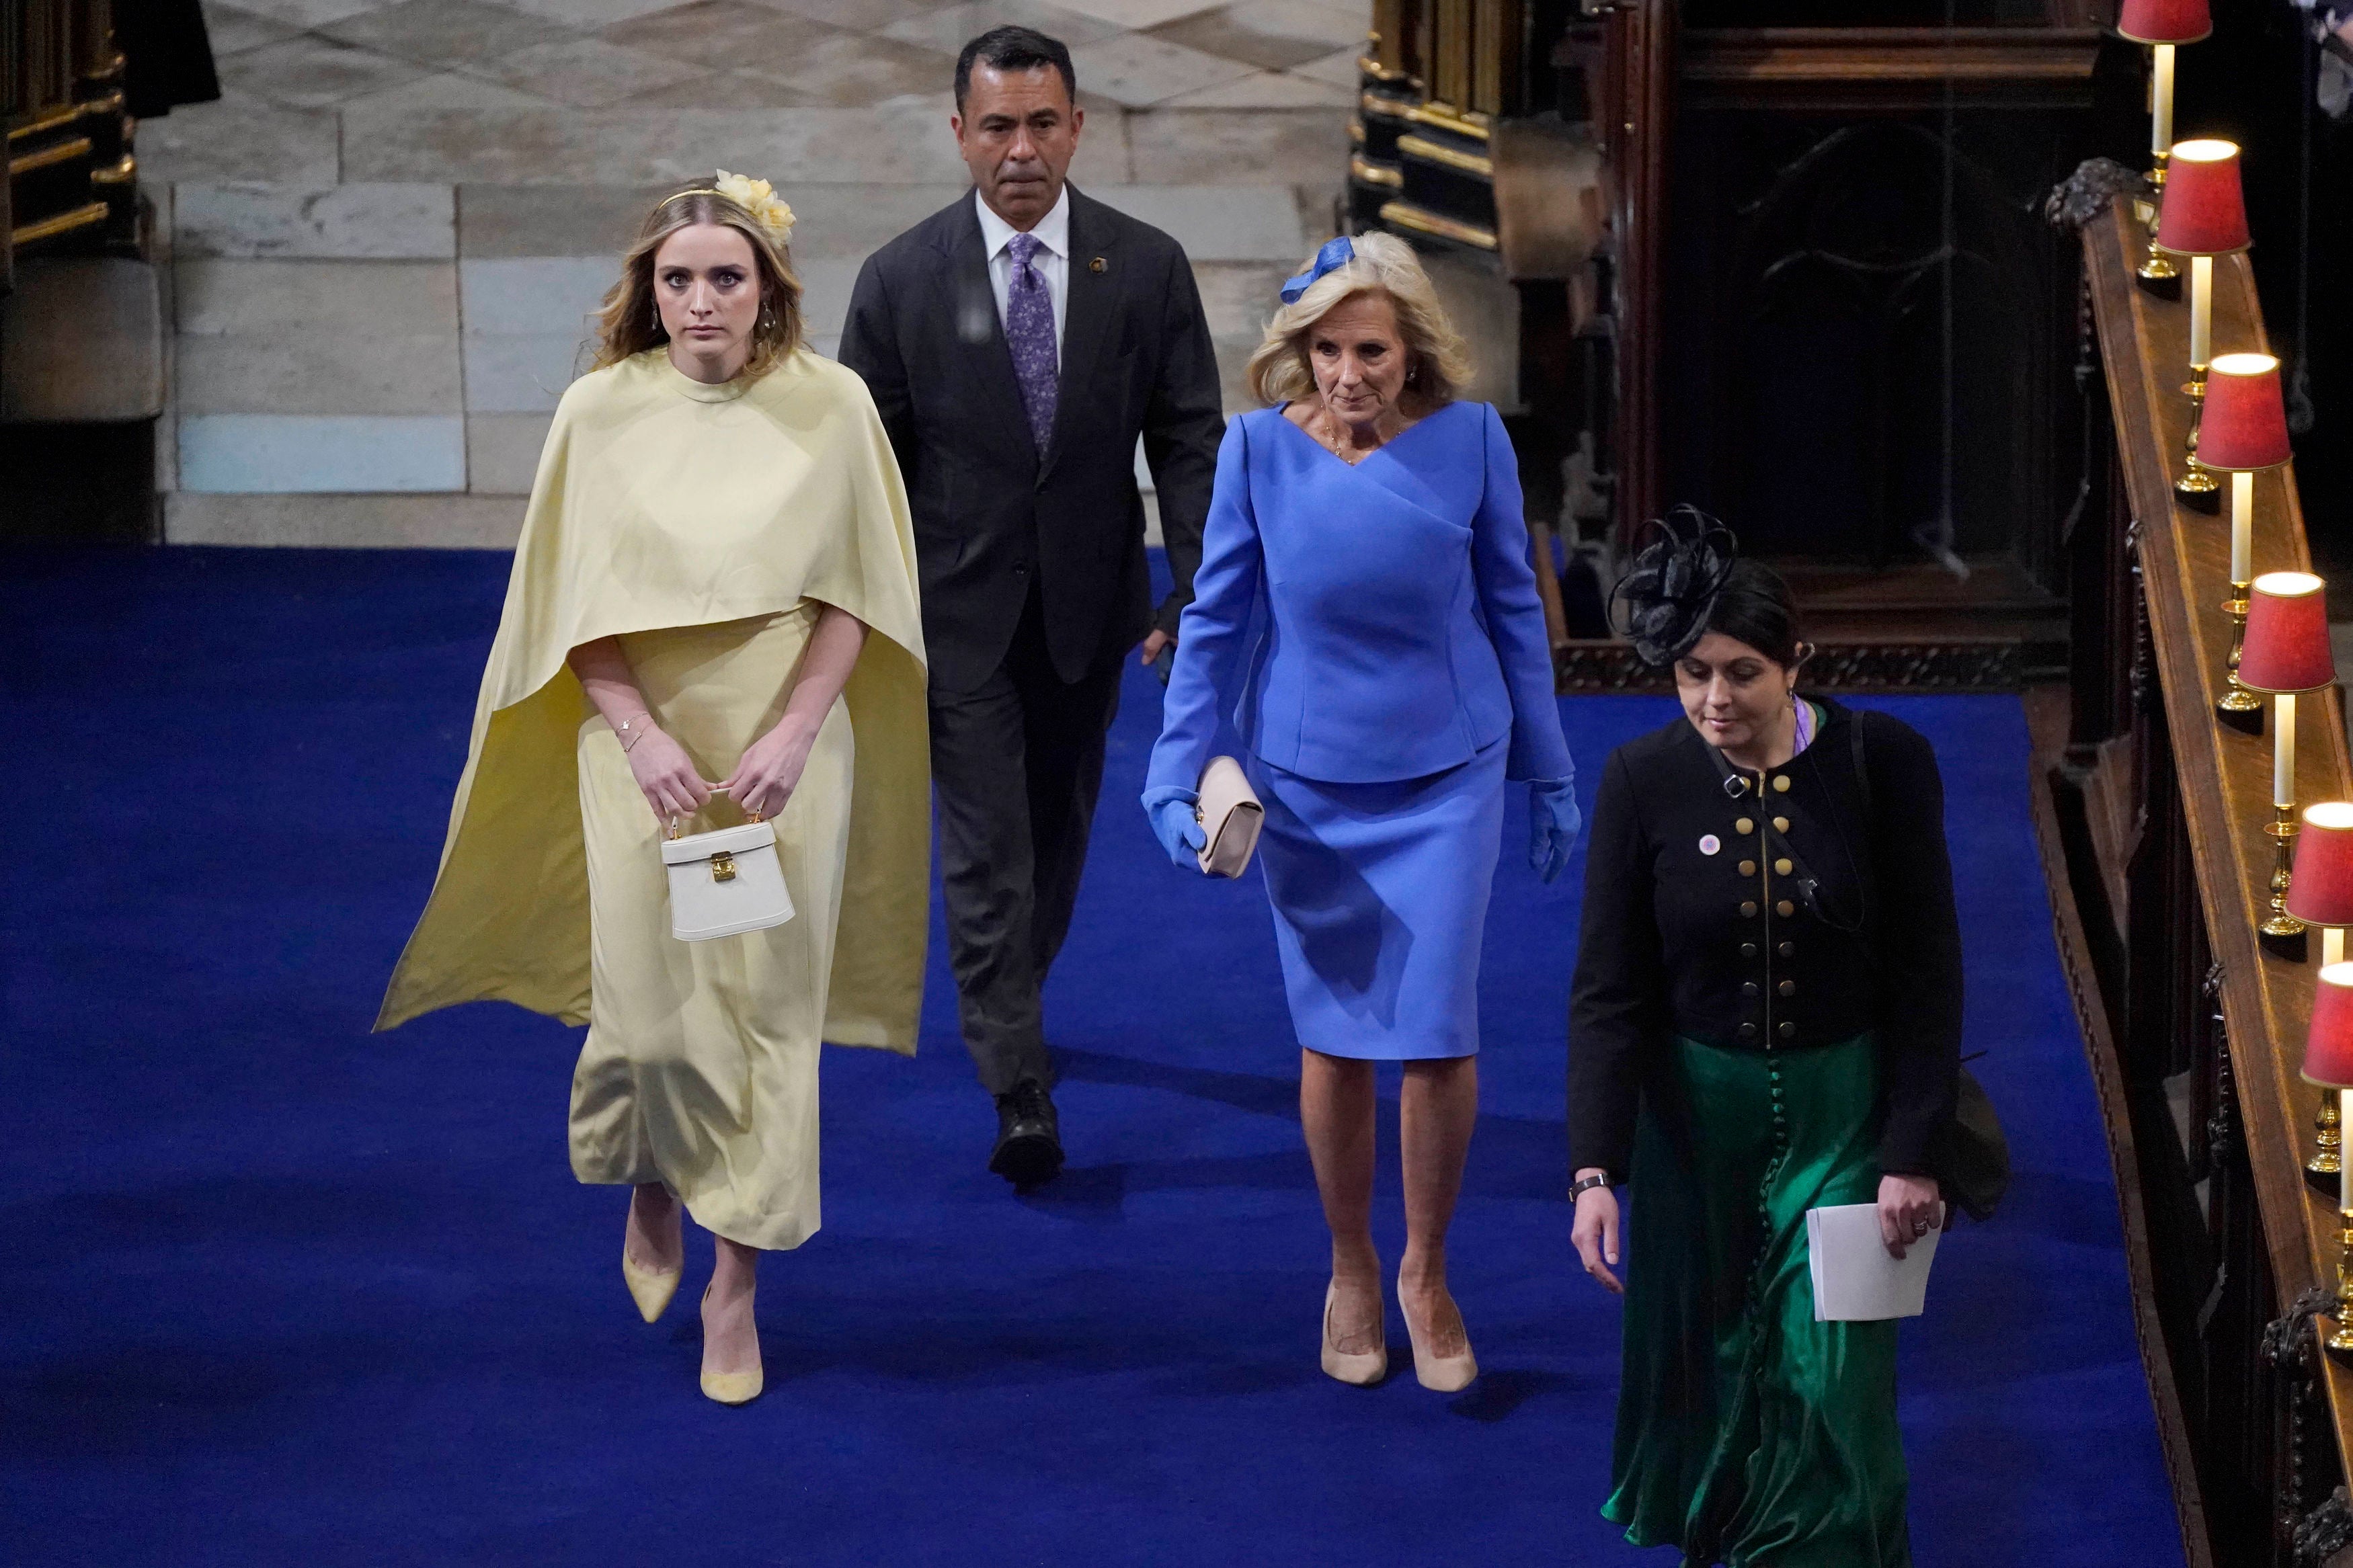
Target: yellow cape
x,y
664,502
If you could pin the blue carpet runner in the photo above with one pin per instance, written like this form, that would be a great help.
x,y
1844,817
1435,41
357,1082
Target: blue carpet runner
x,y
280,1292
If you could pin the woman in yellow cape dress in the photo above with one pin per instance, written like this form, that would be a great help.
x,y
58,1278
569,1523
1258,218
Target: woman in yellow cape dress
x,y
715,589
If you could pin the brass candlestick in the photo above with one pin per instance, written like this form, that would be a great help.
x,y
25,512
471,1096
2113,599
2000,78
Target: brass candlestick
x,y
2238,699
2327,1138
2156,266
2197,480
2283,832
2340,1339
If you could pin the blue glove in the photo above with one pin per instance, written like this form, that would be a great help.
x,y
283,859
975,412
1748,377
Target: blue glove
x,y
1552,822
1170,808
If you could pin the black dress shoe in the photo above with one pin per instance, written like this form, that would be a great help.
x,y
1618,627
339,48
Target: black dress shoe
x,y
1028,1136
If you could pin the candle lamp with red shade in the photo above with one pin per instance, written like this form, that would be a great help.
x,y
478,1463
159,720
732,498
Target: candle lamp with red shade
x,y
2321,894
2243,431
2328,1066
2204,217
2286,653
2163,25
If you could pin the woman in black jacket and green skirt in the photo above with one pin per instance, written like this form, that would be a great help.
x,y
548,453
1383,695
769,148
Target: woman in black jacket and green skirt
x,y
1765,1019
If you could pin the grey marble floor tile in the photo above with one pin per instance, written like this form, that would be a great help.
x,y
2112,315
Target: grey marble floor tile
x,y
1104,155
1137,13
1216,223
1137,70
849,71
503,452
294,298
355,522
239,137
523,375
842,222
1268,89
730,90
826,282
312,71
447,33
1233,357
630,147
1339,68
1202,146
1273,35
721,35
302,13
533,295
857,16
358,370
360,222
1240,297
232,30
587,73
251,454
1320,215
554,220
948,29
442,89
590,14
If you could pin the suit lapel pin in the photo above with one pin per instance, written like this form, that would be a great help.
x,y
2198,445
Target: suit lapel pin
x,y
1096,265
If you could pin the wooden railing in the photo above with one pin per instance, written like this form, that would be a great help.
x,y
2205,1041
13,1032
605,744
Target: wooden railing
x,y
2152,816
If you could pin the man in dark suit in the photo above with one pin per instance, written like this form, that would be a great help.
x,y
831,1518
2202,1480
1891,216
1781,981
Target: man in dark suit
x,y
1017,343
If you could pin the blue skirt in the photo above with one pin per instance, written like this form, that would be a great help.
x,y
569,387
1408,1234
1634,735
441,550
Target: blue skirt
x,y
1380,905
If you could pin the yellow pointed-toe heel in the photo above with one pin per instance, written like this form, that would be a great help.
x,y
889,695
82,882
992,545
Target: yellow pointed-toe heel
x,y
1440,1373
649,1289
1362,1369
732,1387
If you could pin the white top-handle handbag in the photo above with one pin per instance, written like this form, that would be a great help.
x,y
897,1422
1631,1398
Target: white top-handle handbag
x,y
1231,815
724,882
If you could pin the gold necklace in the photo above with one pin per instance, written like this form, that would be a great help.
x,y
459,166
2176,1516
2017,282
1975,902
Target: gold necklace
x,y
1339,448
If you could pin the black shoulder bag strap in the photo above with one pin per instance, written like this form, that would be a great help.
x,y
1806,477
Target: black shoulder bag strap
x,y
1971,1156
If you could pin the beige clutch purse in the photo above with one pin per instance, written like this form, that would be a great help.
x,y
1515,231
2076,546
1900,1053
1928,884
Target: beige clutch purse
x,y
1231,814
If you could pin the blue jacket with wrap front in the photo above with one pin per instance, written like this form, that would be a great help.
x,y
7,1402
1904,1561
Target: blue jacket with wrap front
x,y
1398,627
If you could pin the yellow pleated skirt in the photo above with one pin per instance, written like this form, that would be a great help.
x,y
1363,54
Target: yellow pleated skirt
x,y
701,1066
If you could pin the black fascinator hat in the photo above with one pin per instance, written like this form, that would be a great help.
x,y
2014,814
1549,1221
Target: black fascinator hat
x,y
1685,561
1688,579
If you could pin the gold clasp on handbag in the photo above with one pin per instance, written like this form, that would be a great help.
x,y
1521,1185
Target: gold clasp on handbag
x,y
723,866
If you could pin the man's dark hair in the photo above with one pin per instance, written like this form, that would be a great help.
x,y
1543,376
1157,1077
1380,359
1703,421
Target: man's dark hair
x,y
1015,49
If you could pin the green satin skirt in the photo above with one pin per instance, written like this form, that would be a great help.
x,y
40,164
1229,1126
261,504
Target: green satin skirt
x,y
1747,1433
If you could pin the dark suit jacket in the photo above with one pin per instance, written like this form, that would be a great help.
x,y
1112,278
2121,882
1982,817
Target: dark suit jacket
x,y
988,512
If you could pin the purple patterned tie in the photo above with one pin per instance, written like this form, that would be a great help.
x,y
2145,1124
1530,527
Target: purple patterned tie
x,y
1029,334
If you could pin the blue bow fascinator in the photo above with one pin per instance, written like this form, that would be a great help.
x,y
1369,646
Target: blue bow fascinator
x,y
1335,253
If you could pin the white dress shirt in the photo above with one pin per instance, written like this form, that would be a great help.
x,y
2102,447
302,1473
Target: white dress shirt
x,y
1053,259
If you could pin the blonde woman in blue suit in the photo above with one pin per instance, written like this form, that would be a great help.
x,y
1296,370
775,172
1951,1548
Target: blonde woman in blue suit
x,y
1371,525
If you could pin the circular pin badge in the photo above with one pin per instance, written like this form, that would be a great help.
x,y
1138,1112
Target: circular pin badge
x,y
1710,844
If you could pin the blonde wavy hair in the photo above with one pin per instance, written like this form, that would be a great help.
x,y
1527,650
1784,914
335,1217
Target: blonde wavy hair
x,y
1438,365
630,321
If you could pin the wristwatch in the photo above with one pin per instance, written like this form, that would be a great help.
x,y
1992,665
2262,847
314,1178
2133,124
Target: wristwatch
x,y
1586,1185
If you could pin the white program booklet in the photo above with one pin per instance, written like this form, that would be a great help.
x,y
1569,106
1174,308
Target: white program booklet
x,y
1856,1280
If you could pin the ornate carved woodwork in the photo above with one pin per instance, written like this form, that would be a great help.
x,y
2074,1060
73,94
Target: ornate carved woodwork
x,y
72,177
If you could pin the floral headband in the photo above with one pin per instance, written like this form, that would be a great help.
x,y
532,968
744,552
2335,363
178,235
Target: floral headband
x,y
755,196
1336,253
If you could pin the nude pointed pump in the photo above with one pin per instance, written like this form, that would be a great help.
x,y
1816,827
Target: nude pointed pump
x,y
1362,1370
1440,1373
732,1387
649,1289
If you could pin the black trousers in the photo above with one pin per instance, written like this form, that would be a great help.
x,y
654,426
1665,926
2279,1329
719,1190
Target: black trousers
x,y
1015,767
